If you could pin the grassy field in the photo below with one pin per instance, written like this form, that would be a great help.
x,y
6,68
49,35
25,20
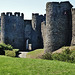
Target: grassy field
x,y
35,54
22,66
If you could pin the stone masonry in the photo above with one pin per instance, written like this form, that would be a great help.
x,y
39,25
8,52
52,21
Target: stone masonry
x,y
53,30
21,33
58,25
73,27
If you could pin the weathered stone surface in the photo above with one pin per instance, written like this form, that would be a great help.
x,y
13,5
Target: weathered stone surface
x,y
43,31
12,31
58,27
73,27
16,31
53,30
36,25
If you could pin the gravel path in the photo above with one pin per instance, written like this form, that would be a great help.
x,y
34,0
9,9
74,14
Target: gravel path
x,y
22,54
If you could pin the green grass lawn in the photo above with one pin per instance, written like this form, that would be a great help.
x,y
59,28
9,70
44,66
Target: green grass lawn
x,y
22,66
35,54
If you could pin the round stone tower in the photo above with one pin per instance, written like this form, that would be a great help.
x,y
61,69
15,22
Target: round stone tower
x,y
3,34
73,27
57,25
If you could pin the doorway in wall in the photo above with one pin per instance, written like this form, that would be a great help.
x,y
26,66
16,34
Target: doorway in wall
x,y
28,45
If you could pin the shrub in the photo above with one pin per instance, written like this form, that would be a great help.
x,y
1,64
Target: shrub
x,y
56,56
8,50
16,51
61,56
9,47
10,53
5,47
47,56
64,56
66,51
72,56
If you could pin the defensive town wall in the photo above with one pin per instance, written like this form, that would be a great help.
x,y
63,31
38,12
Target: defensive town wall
x,y
12,29
53,30
36,25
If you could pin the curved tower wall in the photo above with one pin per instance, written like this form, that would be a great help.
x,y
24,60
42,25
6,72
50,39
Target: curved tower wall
x,y
3,27
13,29
43,31
58,26
73,27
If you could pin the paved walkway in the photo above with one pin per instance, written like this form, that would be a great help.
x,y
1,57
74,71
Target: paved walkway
x,y
22,54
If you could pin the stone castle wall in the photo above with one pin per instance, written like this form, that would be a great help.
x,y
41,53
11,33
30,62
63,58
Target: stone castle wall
x,y
12,30
73,27
57,25
53,30
28,31
36,25
43,31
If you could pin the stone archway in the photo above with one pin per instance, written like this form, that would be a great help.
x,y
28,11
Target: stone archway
x,y
28,45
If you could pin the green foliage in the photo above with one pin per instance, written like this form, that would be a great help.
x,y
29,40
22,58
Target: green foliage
x,y
47,56
8,50
56,56
67,51
16,50
5,47
65,55
10,53
72,56
61,56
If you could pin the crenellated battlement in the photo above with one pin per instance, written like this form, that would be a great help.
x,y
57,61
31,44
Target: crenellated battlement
x,y
54,29
16,14
64,4
35,14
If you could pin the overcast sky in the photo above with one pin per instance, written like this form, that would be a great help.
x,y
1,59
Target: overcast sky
x,y
26,6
